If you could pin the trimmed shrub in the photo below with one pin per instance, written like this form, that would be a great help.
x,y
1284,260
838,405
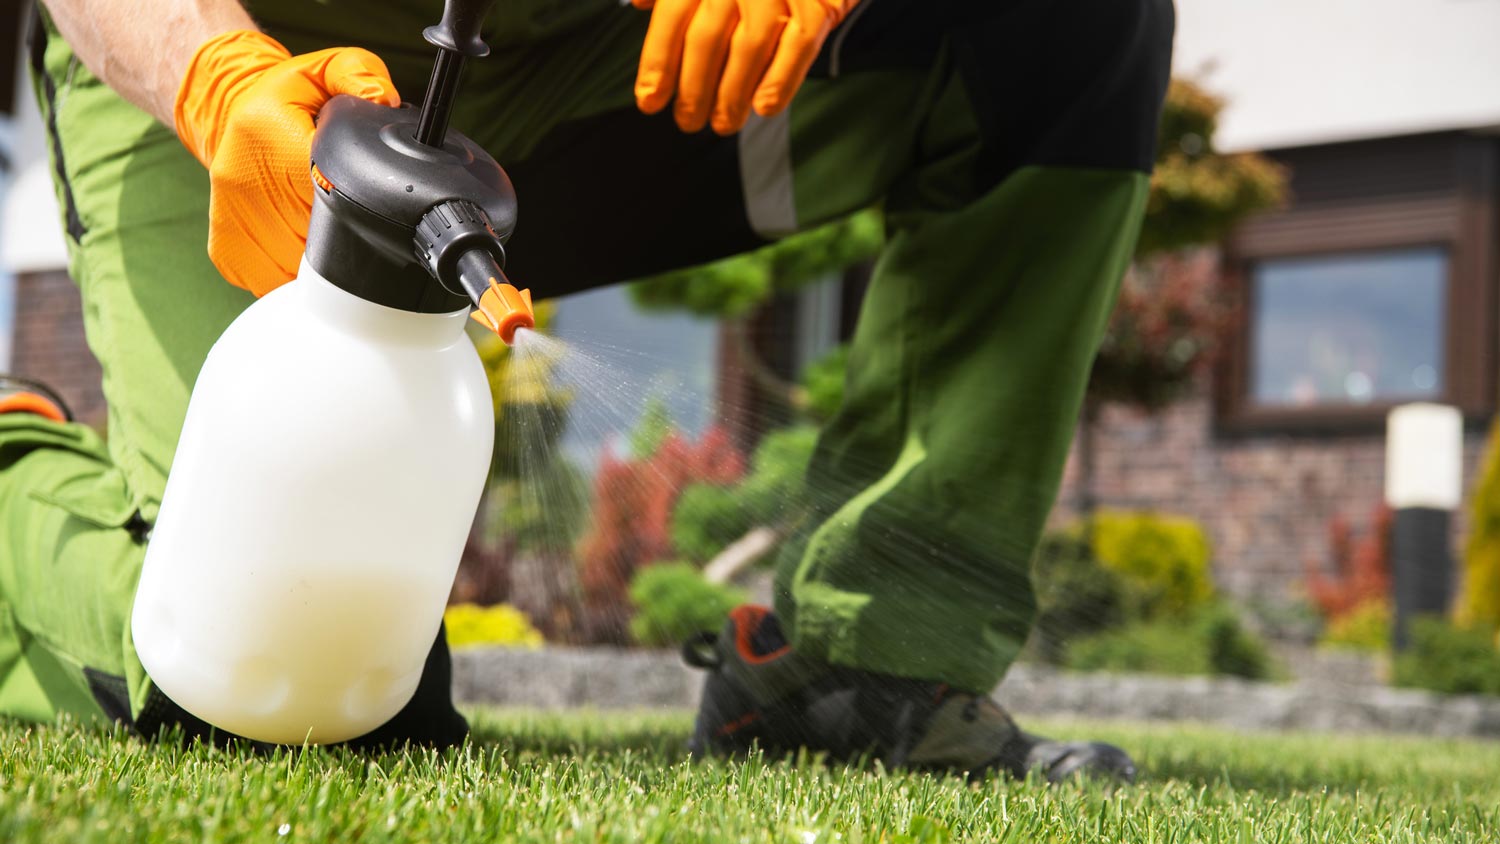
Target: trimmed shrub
x,y
1447,658
708,517
500,625
673,602
776,471
1211,641
1141,648
1233,651
1361,567
1163,561
1480,603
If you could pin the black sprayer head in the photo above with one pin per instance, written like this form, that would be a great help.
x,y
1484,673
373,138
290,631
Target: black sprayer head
x,y
400,201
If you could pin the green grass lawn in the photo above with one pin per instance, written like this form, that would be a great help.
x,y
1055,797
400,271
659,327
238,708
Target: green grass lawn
x,y
591,777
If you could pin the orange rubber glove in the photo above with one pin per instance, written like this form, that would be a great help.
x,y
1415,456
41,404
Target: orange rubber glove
x,y
245,109
723,57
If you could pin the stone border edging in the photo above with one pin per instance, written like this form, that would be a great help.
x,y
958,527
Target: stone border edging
x,y
1248,705
610,678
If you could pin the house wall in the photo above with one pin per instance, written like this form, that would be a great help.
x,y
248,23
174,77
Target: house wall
x,y
49,345
1265,500
1265,485
1298,72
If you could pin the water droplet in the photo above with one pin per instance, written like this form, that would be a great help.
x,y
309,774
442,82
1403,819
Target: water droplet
x,y
1359,387
1424,377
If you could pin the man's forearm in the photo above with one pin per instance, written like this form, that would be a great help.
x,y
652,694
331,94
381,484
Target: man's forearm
x,y
141,48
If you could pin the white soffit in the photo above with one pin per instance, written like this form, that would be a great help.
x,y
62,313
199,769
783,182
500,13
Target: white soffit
x,y
31,238
1301,72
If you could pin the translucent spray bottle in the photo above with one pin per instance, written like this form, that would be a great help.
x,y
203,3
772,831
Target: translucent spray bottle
x,y
339,435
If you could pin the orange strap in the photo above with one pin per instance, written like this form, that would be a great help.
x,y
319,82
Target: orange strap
x,y
32,403
747,619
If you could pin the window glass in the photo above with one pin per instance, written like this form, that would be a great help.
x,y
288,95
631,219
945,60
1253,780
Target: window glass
x,y
1348,329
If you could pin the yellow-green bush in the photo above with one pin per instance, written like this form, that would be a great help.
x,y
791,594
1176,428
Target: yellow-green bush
x,y
501,625
1480,605
1163,560
1367,627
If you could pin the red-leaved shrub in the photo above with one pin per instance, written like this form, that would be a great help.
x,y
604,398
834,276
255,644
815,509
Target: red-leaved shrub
x,y
632,510
1165,331
1361,568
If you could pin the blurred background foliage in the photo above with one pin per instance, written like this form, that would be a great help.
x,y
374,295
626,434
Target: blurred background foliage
x,y
1450,658
499,625
1364,627
709,517
1197,193
1135,594
1163,561
673,602
1480,603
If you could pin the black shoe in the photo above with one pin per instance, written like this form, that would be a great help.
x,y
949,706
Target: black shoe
x,y
759,693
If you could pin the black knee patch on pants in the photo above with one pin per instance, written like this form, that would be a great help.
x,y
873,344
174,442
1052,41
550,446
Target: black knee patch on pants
x,y
1067,83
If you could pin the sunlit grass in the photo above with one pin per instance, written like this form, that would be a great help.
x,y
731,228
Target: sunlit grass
x,y
611,777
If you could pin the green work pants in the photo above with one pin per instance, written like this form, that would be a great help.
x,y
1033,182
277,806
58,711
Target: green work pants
x,y
1008,143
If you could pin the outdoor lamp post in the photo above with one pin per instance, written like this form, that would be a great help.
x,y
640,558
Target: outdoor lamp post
x,y
1423,485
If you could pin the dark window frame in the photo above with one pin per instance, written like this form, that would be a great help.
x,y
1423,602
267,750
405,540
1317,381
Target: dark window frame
x,y
1385,214
11,29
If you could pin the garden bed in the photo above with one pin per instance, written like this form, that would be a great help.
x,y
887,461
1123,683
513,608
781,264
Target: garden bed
x,y
609,678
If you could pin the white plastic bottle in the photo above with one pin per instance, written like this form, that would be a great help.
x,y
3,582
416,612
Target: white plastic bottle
x,y
329,467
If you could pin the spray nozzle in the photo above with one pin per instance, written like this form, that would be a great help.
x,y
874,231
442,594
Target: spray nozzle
x,y
457,244
503,309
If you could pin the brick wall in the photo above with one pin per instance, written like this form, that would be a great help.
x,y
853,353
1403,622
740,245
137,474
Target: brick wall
x,y
1265,500
48,343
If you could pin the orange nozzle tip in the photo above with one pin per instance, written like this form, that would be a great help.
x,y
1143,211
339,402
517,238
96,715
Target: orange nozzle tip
x,y
503,309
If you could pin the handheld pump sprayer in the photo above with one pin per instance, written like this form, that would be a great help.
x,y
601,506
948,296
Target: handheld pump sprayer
x,y
339,435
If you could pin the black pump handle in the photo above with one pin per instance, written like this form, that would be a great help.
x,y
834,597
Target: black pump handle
x,y
456,36
459,29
